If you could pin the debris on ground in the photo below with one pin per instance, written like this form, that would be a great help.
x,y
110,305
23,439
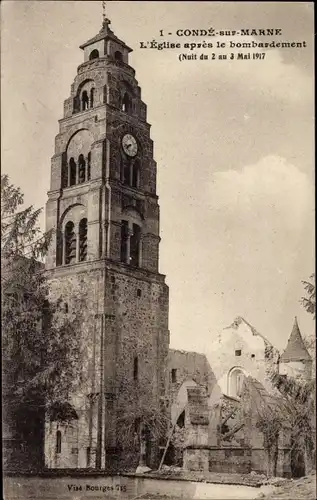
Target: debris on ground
x,y
172,472
294,489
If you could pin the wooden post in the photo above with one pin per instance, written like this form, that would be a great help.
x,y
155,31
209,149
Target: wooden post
x,y
166,447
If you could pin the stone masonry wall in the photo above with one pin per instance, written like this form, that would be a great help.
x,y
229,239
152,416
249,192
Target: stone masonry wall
x,y
139,304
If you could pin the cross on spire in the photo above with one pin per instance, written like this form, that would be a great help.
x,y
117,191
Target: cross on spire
x,y
105,20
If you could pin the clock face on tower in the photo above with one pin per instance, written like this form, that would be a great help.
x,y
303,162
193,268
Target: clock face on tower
x,y
129,145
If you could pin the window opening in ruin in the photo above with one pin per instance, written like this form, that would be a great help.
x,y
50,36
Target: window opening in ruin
x,y
237,352
174,375
135,368
70,243
83,240
72,172
66,308
58,442
236,382
94,54
139,292
84,101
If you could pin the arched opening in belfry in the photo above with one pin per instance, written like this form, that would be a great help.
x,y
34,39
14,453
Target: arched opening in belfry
x,y
92,96
72,172
131,237
94,54
70,243
79,148
118,55
126,103
81,169
83,240
84,101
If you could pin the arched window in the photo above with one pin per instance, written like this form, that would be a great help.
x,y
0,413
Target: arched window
x,y
58,448
135,174
235,382
88,165
94,54
84,101
72,172
126,103
81,169
92,94
131,240
118,55
83,240
70,243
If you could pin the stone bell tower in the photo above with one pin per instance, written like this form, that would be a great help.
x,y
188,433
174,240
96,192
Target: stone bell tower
x,y
104,208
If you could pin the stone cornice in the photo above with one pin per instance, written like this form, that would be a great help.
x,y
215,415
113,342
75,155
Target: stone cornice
x,y
107,265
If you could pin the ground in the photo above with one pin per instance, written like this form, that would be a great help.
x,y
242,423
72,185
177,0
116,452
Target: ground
x,y
297,489
100,487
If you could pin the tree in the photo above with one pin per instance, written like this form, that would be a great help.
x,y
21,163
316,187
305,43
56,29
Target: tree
x,y
142,423
309,301
287,411
39,343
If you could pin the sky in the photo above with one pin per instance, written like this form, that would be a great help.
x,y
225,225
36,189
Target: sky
x,y
233,139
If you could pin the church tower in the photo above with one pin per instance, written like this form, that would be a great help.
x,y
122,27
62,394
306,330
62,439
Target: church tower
x,y
296,361
104,257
